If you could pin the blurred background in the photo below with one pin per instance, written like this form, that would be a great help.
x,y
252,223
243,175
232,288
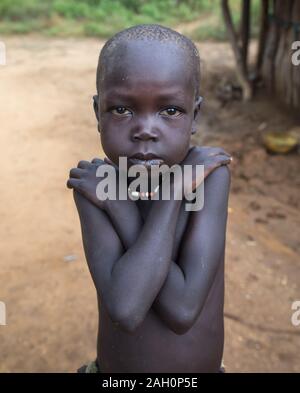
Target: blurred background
x,y
251,92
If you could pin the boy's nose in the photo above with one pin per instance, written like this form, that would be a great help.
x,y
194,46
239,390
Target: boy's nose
x,y
145,130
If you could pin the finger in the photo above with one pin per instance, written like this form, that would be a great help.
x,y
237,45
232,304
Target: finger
x,y
217,150
225,153
97,161
74,183
76,172
224,158
218,160
109,162
83,164
209,150
191,148
214,165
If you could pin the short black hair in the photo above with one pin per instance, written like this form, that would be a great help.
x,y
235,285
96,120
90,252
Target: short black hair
x,y
149,32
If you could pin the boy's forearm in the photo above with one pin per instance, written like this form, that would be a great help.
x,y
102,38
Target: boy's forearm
x,y
126,219
139,274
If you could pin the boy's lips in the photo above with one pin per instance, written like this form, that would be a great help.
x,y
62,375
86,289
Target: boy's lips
x,y
147,159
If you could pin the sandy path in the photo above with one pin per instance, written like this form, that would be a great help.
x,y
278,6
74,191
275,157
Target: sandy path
x,y
47,126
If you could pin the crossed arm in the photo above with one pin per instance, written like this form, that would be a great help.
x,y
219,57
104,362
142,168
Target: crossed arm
x,y
131,261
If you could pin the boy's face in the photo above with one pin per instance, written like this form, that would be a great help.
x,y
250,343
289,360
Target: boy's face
x,y
147,103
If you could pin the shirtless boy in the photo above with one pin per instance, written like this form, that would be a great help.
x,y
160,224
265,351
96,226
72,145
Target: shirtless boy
x,y
157,268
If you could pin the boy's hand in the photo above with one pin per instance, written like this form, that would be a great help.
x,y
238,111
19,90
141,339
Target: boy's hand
x,y
84,180
210,157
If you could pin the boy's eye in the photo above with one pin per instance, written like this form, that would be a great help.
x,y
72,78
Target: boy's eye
x,y
120,110
174,112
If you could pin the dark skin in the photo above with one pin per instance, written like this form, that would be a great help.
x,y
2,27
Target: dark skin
x,y
157,268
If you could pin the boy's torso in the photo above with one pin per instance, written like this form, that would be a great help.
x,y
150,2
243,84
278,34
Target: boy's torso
x,y
154,347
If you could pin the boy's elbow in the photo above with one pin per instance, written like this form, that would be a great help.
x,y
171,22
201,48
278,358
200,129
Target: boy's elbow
x,y
129,324
127,321
183,322
184,325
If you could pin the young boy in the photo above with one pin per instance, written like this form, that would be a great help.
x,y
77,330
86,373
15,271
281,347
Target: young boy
x,y
157,268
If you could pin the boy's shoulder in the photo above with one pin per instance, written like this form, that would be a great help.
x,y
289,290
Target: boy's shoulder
x,y
222,173
218,181
216,190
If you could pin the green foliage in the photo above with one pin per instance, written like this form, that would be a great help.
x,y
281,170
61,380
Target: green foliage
x,y
18,10
72,9
102,18
212,27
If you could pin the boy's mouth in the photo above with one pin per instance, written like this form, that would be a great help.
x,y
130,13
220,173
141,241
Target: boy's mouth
x,y
147,159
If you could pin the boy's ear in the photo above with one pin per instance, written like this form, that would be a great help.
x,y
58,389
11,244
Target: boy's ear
x,y
96,108
197,106
96,105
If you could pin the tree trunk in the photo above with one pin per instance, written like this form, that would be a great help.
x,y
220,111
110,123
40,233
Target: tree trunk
x,y
245,30
264,24
282,78
279,28
238,51
295,78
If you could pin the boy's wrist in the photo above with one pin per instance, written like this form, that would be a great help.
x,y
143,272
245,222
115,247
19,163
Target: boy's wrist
x,y
107,205
110,205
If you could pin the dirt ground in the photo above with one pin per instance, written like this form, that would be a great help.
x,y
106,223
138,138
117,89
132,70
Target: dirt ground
x,y
47,126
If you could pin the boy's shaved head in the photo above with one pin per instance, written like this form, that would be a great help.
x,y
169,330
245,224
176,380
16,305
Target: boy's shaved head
x,y
113,50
